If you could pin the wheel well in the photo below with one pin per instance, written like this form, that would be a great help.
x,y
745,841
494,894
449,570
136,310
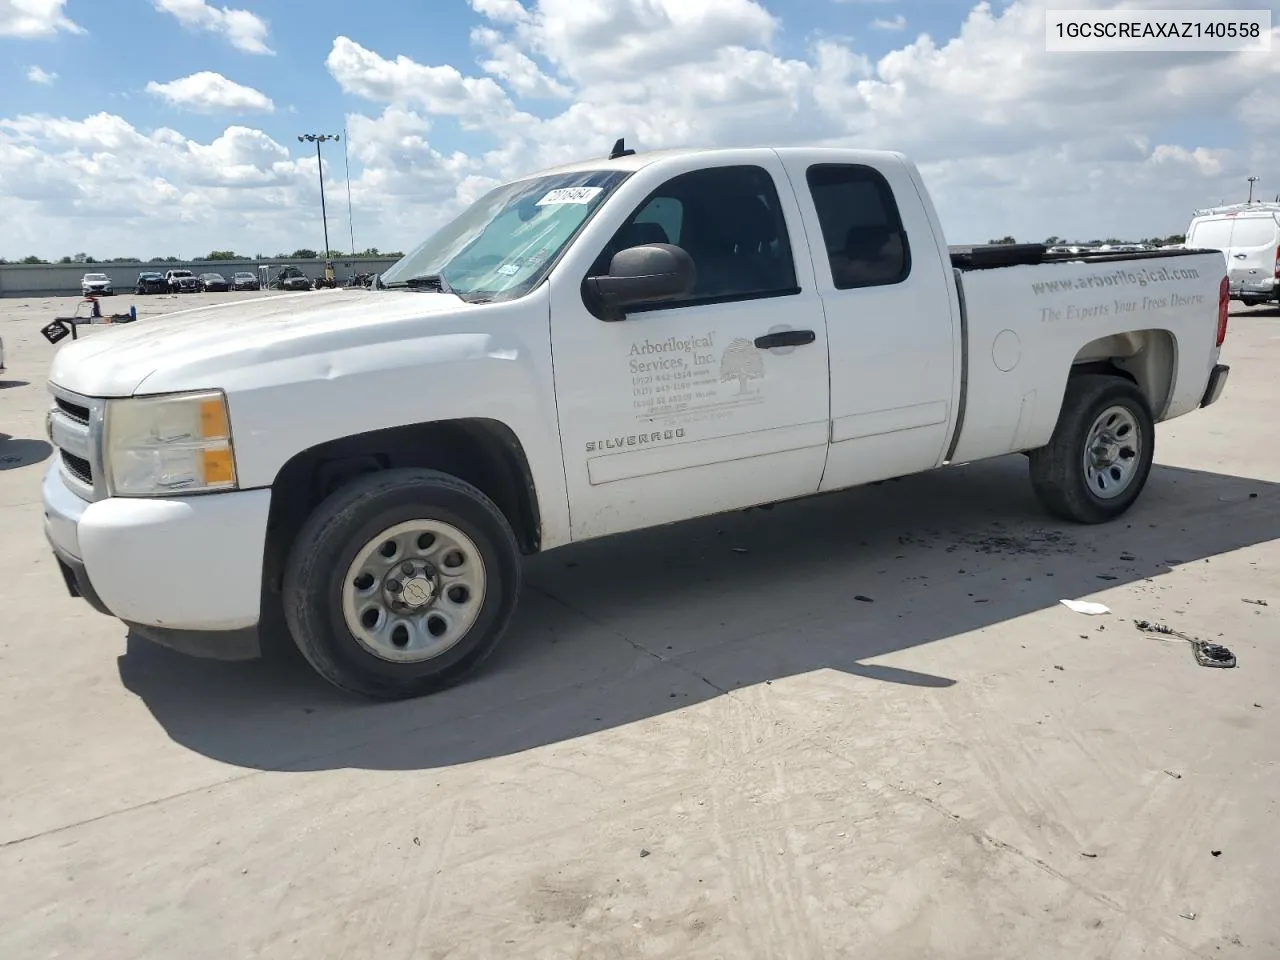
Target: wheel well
x,y
1147,358
484,453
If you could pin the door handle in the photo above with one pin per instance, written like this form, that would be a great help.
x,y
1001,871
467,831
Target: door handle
x,y
1240,256
786,338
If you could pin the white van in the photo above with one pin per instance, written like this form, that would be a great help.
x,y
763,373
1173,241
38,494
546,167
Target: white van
x,y
1248,234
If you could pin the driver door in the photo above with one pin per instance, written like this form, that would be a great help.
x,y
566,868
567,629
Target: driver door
x,y
690,406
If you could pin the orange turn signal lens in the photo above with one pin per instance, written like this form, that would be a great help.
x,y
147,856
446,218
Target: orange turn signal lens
x,y
219,467
213,420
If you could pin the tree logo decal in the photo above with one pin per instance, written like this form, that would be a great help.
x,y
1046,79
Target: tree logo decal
x,y
741,361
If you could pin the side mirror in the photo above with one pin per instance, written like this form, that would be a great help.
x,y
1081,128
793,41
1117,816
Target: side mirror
x,y
643,274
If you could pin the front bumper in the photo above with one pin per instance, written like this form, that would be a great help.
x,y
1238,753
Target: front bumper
x,y
183,571
1217,383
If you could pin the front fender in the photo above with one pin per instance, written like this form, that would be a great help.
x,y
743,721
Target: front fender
x,y
500,372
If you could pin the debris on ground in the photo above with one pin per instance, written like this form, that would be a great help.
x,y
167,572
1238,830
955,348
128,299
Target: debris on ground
x,y
1086,607
1216,853
1091,856
741,550
1187,916
863,599
644,853
1207,654
1214,655
1176,776
1256,603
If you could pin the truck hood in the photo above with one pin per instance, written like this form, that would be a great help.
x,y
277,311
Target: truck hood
x,y
193,347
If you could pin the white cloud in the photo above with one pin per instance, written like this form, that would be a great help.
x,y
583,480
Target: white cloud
x,y
519,71
441,89
501,11
244,30
33,19
41,76
897,23
209,92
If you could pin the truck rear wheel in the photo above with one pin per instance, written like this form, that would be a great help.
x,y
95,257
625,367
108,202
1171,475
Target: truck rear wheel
x,y
1099,457
402,583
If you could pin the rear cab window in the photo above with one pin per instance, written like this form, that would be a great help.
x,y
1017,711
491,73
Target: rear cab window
x,y
862,230
1212,234
1255,232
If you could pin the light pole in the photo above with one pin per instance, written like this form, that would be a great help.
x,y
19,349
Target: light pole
x,y
1252,181
317,139
351,226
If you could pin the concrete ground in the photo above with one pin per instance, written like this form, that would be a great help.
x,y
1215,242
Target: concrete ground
x,y
857,726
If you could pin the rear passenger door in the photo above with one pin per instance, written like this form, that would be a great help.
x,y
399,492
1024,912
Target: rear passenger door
x,y
890,330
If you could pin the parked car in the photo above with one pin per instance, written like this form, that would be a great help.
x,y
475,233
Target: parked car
x,y
182,281
96,284
730,328
245,281
292,278
151,282
213,283
1248,234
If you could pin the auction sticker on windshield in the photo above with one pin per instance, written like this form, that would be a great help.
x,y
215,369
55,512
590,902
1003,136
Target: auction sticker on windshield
x,y
570,195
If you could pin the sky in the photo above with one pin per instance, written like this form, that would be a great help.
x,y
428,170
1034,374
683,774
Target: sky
x,y
170,127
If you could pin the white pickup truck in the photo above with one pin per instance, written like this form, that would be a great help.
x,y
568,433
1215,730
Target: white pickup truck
x,y
607,346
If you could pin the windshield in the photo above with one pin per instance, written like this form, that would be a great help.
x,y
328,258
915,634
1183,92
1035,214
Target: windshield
x,y
95,276
503,244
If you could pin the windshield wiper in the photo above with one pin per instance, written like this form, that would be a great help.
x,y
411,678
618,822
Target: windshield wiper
x,y
429,281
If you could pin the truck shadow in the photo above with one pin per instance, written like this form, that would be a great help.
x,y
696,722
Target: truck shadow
x,y
619,630
18,452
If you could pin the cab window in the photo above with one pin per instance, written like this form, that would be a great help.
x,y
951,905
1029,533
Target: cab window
x,y
729,220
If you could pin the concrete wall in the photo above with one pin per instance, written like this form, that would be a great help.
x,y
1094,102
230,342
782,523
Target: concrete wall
x,y
63,279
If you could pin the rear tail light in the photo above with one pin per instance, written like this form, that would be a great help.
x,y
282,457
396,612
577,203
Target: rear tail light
x,y
1224,307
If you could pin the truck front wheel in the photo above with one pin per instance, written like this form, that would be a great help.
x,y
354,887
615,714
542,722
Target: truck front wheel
x,y
1099,457
401,583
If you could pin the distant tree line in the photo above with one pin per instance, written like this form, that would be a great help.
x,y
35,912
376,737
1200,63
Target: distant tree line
x,y
302,253
1056,241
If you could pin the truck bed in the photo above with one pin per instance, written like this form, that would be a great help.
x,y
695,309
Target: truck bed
x,y
988,256
1150,313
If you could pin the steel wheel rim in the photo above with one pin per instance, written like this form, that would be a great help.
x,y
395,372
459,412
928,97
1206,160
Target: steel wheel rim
x,y
1112,452
414,591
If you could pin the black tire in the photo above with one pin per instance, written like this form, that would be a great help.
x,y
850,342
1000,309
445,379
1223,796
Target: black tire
x,y
351,518
1058,473
1249,303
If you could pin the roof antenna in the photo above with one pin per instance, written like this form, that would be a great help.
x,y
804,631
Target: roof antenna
x,y
620,149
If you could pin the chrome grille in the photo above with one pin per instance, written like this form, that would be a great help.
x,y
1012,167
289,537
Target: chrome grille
x,y
75,411
78,467
75,428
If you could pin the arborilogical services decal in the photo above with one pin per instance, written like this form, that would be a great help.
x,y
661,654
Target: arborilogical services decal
x,y
1121,291
686,379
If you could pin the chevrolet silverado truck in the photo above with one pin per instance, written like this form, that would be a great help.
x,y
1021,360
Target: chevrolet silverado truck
x,y
598,348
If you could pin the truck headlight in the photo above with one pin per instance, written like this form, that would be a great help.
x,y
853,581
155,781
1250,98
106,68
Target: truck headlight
x,y
166,445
